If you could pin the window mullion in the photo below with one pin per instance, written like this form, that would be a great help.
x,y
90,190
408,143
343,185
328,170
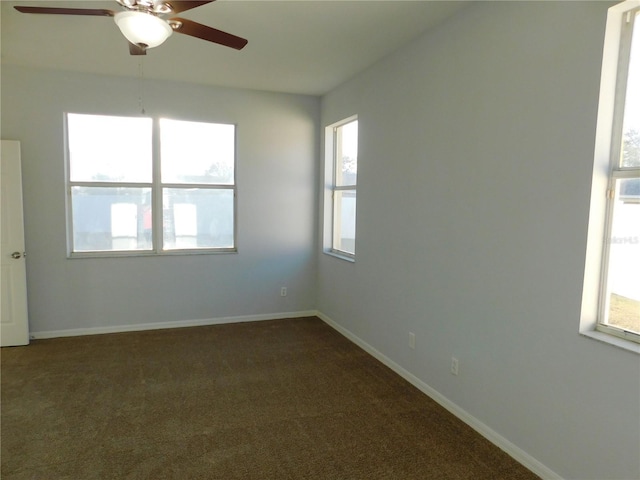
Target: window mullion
x,y
625,173
110,185
211,186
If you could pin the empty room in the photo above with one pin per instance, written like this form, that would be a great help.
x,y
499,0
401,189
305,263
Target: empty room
x,y
320,239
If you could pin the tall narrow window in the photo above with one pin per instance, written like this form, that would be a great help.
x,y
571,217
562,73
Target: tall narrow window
x,y
344,187
126,196
620,285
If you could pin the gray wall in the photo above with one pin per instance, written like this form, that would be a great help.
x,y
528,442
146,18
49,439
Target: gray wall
x,y
277,190
475,161
476,147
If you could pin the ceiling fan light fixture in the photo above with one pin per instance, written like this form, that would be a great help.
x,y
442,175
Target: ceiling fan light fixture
x,y
143,28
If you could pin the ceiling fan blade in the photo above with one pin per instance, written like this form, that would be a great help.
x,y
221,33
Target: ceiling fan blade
x,y
67,11
194,29
136,49
178,6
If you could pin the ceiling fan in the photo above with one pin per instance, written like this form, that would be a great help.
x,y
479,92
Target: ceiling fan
x,y
143,24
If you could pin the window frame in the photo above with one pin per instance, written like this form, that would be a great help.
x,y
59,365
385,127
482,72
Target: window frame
x,y
607,171
157,190
331,175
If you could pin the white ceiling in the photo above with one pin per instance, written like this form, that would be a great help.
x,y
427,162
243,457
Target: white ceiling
x,y
295,46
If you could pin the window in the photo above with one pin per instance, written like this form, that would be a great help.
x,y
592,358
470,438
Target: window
x,y
620,296
617,179
131,193
342,155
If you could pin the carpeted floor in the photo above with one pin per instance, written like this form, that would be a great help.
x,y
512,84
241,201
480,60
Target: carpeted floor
x,y
283,400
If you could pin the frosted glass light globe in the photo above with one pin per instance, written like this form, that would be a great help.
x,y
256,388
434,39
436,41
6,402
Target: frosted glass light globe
x,y
143,28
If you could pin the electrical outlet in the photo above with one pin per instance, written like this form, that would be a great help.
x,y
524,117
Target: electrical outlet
x,y
283,292
454,366
412,340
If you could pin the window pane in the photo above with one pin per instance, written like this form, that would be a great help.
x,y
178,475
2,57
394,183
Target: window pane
x,y
197,218
193,152
623,279
347,154
109,149
631,124
344,221
111,219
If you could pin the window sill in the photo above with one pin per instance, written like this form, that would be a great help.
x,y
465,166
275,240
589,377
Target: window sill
x,y
612,340
341,256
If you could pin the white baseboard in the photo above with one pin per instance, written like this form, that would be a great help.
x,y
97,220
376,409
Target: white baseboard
x,y
494,437
74,332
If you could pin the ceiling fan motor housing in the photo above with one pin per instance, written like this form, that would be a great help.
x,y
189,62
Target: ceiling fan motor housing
x,y
146,6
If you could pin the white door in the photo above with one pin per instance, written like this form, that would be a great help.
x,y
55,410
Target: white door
x,y
14,325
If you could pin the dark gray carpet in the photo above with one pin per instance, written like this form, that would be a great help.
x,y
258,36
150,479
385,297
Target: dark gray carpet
x,y
285,399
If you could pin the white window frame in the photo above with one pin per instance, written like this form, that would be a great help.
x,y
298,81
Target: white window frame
x,y
332,231
606,172
157,187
